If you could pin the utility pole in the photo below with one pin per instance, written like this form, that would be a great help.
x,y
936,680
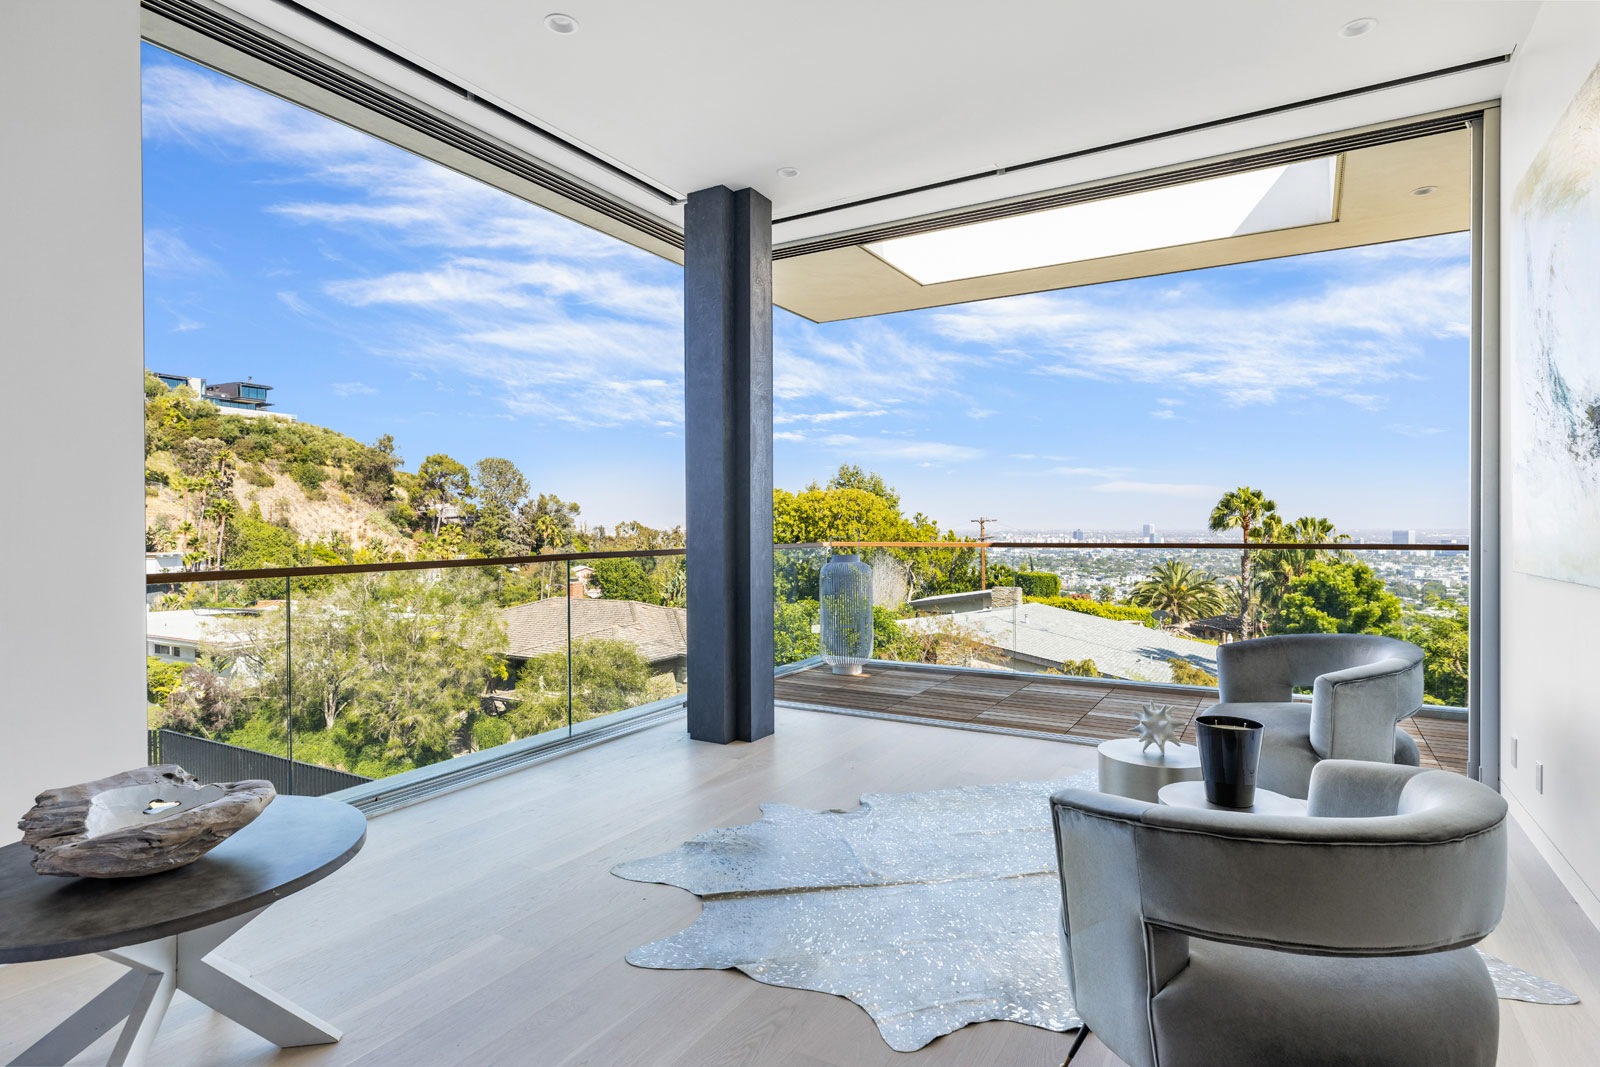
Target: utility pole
x,y
983,551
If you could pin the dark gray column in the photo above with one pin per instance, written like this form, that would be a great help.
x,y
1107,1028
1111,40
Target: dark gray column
x,y
727,387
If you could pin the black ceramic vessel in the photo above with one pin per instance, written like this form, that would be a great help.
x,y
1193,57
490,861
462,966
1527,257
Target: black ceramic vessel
x,y
1230,750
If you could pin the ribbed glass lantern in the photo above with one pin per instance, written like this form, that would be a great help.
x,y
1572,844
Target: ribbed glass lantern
x,y
846,588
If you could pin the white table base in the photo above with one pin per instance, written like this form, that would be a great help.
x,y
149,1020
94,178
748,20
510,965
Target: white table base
x,y
1129,770
1193,795
156,969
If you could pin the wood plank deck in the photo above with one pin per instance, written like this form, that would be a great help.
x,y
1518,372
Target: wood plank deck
x,y
1089,710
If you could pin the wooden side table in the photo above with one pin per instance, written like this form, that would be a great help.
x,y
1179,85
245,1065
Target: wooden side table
x,y
162,927
1128,771
1193,795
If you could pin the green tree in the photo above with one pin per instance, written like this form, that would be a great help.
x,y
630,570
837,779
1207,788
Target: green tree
x,y
607,675
1179,590
1337,596
1081,668
1444,641
546,523
847,512
793,636
500,483
202,703
1186,673
387,668
1279,567
624,579
1242,509
850,476
160,677
443,482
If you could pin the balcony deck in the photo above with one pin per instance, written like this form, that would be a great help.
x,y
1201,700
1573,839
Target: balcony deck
x,y
1082,710
483,927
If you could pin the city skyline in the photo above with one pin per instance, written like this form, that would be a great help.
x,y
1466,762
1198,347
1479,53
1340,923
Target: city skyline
x,y
381,293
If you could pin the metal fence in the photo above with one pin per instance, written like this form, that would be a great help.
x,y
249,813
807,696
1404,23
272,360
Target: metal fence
x,y
215,761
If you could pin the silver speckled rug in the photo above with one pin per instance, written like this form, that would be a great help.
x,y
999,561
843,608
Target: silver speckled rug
x,y
929,910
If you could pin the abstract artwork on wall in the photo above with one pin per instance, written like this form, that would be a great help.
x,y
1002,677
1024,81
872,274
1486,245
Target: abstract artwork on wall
x,y
1554,236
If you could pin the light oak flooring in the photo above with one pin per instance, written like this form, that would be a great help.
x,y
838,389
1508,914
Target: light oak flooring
x,y
483,927
1042,703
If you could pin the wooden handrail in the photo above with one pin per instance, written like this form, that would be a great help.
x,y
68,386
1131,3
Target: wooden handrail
x,y
186,577
183,577
1254,546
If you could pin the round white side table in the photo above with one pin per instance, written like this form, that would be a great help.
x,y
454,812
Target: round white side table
x,y
1139,775
1193,795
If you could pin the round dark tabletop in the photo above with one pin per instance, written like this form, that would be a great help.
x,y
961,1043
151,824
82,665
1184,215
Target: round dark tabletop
x,y
294,842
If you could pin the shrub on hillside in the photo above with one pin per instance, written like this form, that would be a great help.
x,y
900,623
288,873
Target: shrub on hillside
x,y
1039,583
1186,673
309,475
488,732
1119,612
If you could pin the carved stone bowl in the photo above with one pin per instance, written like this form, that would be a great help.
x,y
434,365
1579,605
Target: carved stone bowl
x,y
143,821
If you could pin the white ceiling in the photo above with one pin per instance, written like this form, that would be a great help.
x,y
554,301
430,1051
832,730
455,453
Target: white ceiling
x,y
871,97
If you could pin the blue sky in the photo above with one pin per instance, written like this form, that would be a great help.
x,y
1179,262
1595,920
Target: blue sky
x,y
379,293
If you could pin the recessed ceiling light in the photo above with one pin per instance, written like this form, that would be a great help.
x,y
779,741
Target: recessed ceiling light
x,y
1425,190
1358,28
788,172
556,22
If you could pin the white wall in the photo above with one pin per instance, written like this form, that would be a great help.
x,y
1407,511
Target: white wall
x,y
71,312
1550,674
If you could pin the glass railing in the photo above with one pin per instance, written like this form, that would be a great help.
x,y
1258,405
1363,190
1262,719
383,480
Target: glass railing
x,y
320,678
1135,611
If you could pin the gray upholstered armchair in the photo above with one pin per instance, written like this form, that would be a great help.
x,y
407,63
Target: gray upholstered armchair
x,y
1198,936
1362,686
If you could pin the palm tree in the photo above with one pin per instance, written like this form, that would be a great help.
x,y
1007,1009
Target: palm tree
x,y
1245,606
1242,509
1279,567
1179,590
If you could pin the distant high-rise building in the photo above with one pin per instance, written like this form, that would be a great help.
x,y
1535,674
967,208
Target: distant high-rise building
x,y
1149,529
1404,537
1077,535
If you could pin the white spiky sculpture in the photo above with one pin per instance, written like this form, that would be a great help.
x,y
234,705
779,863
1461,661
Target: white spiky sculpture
x,y
1156,728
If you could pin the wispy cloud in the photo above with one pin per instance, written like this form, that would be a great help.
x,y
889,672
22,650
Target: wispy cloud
x,y
291,300
1090,472
828,416
889,448
558,322
1366,401
352,389
1248,352
1158,489
1163,413
1410,430
167,253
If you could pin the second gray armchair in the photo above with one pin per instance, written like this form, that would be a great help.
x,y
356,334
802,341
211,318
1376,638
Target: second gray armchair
x,y
1198,938
1361,685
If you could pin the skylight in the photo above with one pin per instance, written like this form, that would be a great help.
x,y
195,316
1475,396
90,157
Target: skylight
x,y
1278,198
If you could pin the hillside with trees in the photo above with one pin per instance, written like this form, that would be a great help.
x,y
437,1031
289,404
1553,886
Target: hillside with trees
x,y
389,671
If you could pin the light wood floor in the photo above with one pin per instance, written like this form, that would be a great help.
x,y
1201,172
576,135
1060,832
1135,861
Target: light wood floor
x,y
1091,711
483,927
